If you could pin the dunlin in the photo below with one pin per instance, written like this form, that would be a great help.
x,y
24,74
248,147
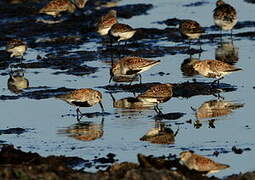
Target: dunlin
x,y
17,82
225,16
216,108
214,69
16,47
157,94
201,163
132,66
106,22
83,98
121,32
56,7
191,29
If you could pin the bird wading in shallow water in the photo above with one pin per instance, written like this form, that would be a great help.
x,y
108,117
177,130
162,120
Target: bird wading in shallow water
x,y
121,32
157,94
83,98
214,69
131,66
191,30
106,22
225,16
201,163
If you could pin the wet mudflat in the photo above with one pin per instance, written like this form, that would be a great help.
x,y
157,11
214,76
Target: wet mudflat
x,y
212,121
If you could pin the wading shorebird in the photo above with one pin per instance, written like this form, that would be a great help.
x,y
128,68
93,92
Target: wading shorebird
x,y
191,30
83,98
17,82
157,94
214,69
201,163
131,66
121,32
56,7
225,16
16,47
106,22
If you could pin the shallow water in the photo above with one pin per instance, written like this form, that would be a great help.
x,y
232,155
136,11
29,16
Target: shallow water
x,y
122,128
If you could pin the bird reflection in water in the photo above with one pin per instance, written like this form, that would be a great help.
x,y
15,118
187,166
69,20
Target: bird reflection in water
x,y
160,134
227,52
168,116
156,94
17,82
84,131
213,109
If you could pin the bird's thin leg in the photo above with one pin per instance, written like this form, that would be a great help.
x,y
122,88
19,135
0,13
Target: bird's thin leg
x,y
140,77
200,46
102,107
158,110
231,34
133,79
177,131
113,98
221,39
79,114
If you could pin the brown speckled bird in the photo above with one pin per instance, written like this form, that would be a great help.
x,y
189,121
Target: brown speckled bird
x,y
56,7
132,66
83,98
201,163
225,16
157,94
121,32
214,69
191,29
106,22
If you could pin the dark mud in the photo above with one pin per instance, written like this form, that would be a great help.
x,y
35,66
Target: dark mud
x,y
16,164
14,131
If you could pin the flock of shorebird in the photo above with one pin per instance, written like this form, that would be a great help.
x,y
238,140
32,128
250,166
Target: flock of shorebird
x,y
225,17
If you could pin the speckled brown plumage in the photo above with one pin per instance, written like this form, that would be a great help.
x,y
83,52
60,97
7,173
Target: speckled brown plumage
x,y
190,27
55,7
132,65
225,16
160,93
214,68
201,163
82,95
106,22
121,32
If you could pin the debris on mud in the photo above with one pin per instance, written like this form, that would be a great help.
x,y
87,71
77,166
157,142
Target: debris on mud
x,y
13,131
